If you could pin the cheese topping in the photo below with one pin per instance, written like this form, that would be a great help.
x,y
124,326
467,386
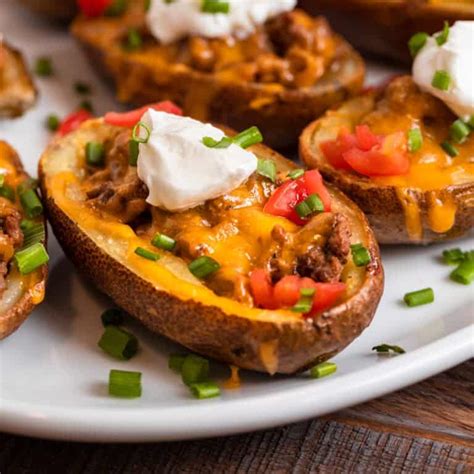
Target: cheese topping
x,y
180,171
171,21
455,58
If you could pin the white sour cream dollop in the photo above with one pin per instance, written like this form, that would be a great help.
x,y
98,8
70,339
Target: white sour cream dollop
x,y
180,171
456,57
172,21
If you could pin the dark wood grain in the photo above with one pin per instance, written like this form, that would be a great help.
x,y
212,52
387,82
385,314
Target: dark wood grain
x,y
426,428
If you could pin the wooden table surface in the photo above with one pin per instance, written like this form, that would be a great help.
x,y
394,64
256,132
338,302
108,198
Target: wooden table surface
x,y
428,427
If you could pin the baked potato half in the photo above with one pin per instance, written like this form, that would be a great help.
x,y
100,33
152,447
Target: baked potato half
x,y
100,217
279,79
63,10
17,91
383,27
433,200
22,284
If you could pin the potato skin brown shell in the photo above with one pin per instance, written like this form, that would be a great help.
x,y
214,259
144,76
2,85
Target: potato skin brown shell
x,y
281,115
207,330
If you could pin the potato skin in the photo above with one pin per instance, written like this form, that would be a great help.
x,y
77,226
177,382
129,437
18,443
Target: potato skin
x,y
281,117
209,331
383,28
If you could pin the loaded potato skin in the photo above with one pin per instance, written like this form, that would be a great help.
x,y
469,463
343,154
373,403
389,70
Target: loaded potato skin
x,y
167,299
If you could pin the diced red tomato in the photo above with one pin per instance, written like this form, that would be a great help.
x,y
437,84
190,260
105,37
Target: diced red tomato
x,y
289,194
366,140
333,149
73,121
287,291
326,296
93,8
130,119
262,289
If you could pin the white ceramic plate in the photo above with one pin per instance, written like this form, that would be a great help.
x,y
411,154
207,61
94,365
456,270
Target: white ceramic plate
x,y
53,376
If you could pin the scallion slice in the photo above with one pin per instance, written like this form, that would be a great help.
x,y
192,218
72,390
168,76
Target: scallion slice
x,y
248,137
459,131
195,369
164,242
203,267
267,169
44,67
86,105
441,80
112,316
415,140
95,153
33,232
125,384
134,40
136,132
31,258
175,362
417,42
116,8
205,390
7,192
145,253
388,348
470,122
82,88
420,297
52,122
453,256
305,303
29,183
450,149
322,370
444,35
133,149
309,206
464,273
360,255
224,142
215,6
295,174
31,203
118,343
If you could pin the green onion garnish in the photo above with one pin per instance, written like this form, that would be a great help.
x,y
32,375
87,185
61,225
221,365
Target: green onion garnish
x,y
133,148
112,316
295,174
86,105
116,8
82,88
215,6
44,67
450,149
360,255
175,362
136,132
205,390
248,137
441,80
2,179
322,370
204,266
420,297
31,203
444,35
415,140
387,348
52,122
464,273
7,192
33,232
134,40
305,303
164,242
118,343
470,122
195,369
417,42
125,384
95,153
28,183
224,142
31,258
453,256
459,131
267,169
309,206
148,4
147,254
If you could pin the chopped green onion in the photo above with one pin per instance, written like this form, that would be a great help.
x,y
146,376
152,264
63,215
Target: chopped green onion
x,y
464,273
470,122
86,105
118,343
307,291
322,370
33,232
133,149
7,192
136,132
31,258
415,140
420,297
387,348
444,35
164,242
309,206
360,255
147,254
52,122
248,137
125,384
31,203
459,131
267,169
134,40
305,303
116,8
451,150
204,266
95,153
148,4
441,80
2,179
175,362
453,256
44,67
195,369
82,88
224,142
417,42
112,316
215,6
295,174
28,183
205,390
